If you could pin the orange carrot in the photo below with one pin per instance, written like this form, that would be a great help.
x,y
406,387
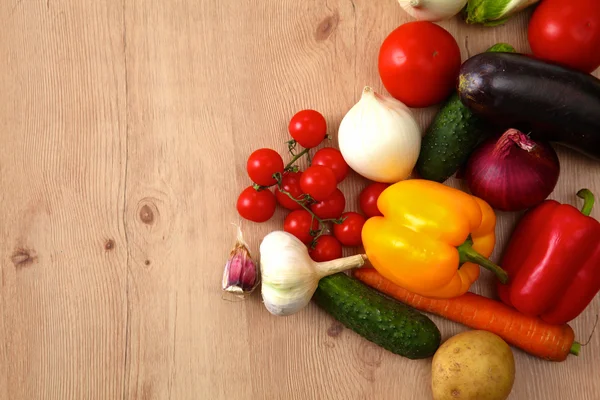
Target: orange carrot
x,y
536,337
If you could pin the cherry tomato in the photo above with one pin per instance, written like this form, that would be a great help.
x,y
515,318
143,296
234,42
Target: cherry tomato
x,y
331,207
419,63
308,128
567,32
298,224
349,231
290,182
368,198
326,248
255,205
333,159
318,181
262,164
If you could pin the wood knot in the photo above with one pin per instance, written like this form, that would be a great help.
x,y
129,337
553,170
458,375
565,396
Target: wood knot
x,y
146,214
23,257
109,245
370,354
335,329
147,262
326,27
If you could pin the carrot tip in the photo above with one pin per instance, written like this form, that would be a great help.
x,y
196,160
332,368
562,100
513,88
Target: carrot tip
x,y
575,348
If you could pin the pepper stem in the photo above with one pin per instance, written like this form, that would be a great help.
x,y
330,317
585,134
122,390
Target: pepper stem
x,y
575,348
588,201
468,254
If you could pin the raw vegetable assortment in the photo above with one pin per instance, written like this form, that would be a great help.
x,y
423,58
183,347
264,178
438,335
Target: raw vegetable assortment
x,y
500,114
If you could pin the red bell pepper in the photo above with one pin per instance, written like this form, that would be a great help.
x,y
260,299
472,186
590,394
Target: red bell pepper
x,y
553,261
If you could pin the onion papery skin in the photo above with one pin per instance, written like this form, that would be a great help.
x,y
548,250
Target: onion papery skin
x,y
512,173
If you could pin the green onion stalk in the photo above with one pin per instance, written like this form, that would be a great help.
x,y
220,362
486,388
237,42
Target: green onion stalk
x,y
494,12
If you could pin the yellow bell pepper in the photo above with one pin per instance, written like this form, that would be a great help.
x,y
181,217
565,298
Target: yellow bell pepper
x,y
431,238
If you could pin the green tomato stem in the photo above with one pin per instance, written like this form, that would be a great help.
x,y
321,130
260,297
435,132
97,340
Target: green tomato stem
x,y
316,233
295,158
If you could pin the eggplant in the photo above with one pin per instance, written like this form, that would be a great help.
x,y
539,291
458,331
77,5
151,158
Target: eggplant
x,y
551,102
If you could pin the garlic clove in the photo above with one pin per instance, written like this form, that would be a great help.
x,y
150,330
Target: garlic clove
x,y
241,274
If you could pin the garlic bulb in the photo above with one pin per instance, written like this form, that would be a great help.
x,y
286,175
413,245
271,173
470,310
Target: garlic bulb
x,y
379,138
432,10
289,276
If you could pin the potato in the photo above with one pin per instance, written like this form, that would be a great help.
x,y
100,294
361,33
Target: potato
x,y
473,365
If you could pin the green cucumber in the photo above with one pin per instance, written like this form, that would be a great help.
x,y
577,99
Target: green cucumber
x,y
385,322
452,136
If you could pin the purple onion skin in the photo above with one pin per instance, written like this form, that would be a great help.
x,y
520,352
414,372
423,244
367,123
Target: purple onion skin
x,y
512,172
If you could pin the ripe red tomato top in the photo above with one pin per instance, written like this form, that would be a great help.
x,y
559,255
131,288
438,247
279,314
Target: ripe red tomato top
x,y
333,159
298,224
419,63
567,32
262,164
318,181
368,198
331,207
308,128
326,248
257,206
349,231
290,182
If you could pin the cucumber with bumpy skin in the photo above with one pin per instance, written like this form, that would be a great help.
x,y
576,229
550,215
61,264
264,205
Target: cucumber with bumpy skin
x,y
452,136
385,322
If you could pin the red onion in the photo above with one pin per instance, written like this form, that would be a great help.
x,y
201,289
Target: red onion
x,y
512,173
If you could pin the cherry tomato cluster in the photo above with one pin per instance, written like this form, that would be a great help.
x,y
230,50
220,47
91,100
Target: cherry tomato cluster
x,y
315,202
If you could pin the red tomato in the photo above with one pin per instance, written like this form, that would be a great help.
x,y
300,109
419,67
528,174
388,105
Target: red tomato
x,y
254,205
368,198
326,248
318,181
290,182
298,224
308,128
331,207
262,164
567,32
349,231
332,158
419,63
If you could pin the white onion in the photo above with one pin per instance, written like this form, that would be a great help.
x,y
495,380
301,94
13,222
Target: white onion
x,y
432,10
379,138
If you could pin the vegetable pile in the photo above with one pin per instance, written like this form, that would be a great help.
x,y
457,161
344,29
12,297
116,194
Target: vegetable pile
x,y
419,243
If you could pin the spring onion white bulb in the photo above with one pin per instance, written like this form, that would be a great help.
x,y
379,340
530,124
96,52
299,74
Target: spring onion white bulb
x,y
379,138
432,10
289,276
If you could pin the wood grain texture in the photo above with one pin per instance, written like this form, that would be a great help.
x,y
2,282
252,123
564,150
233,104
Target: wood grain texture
x,y
62,182
125,126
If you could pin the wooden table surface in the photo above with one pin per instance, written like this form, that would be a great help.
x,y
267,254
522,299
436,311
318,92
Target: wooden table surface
x,y
125,127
